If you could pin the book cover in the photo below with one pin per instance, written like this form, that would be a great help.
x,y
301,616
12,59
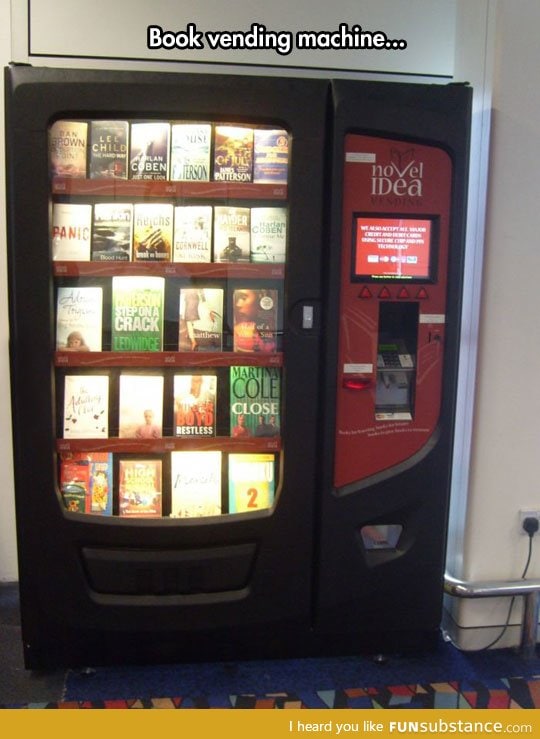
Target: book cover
x,y
233,154
255,320
86,407
195,405
200,319
68,141
74,483
140,492
71,232
108,155
153,232
91,472
137,313
149,151
251,482
192,233
231,234
268,235
271,156
112,232
195,484
255,401
78,319
141,406
190,151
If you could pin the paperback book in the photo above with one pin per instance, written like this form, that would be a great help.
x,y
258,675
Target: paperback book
x,y
149,151
195,405
86,407
137,313
78,319
141,406
192,233
140,492
255,401
271,156
268,235
190,151
231,234
201,319
71,232
109,149
255,320
112,232
153,232
91,471
195,484
251,482
68,141
233,154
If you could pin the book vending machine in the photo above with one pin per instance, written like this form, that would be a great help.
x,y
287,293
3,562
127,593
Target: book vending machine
x,y
216,454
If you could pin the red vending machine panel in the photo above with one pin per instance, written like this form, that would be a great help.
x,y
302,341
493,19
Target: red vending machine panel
x,y
396,202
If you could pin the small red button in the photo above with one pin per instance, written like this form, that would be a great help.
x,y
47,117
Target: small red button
x,y
384,293
422,294
365,293
403,293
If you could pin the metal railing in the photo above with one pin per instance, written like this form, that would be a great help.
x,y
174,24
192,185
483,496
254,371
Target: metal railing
x,y
529,589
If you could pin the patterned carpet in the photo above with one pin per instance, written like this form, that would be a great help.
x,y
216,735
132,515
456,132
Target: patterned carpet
x,y
519,692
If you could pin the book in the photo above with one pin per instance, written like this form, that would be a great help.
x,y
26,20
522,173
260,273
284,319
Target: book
x,y
153,232
93,472
78,319
71,232
233,154
190,151
68,141
192,240
271,156
195,405
86,407
231,234
74,483
137,313
255,320
255,401
251,482
108,150
200,319
149,151
140,406
195,484
268,235
140,493
112,232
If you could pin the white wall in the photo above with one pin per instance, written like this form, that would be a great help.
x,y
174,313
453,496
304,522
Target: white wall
x,y
505,459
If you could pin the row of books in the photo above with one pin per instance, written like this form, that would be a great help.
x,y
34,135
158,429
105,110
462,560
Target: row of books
x,y
87,484
168,150
163,232
137,320
254,397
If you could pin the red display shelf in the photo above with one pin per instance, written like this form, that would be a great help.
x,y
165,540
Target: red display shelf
x,y
166,359
170,444
215,270
169,189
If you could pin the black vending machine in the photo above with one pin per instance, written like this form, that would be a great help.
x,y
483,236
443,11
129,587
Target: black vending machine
x,y
207,275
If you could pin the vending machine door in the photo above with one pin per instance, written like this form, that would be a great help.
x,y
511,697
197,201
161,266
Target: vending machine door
x,y
394,309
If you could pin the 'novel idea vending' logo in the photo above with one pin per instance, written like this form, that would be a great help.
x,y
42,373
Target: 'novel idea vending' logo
x,y
400,181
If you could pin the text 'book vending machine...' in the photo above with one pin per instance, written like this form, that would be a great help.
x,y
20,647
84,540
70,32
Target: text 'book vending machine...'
x,y
234,314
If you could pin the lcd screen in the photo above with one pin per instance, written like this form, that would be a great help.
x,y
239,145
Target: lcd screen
x,y
394,248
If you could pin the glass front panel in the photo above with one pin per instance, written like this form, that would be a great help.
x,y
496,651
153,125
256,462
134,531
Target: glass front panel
x,y
168,250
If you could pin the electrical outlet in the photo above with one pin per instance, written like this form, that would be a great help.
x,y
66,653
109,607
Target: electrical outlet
x,y
527,513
